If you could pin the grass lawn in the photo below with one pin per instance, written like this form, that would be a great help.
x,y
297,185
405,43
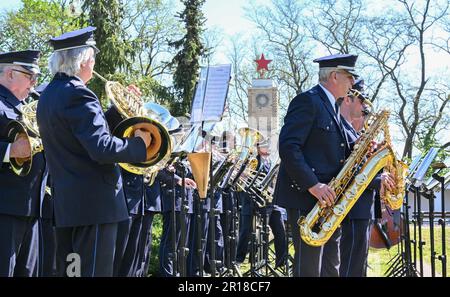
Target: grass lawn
x,y
378,260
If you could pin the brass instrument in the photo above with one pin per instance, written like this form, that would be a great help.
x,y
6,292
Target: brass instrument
x,y
242,156
28,128
266,187
359,169
200,165
259,183
200,161
132,108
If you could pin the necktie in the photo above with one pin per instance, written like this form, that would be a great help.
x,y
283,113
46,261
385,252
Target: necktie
x,y
338,115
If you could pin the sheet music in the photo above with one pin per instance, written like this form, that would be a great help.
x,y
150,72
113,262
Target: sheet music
x,y
422,169
211,93
197,103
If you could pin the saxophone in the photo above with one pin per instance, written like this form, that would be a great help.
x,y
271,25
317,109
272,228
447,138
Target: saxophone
x,y
359,169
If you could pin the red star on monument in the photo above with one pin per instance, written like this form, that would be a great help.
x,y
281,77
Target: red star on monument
x,y
262,63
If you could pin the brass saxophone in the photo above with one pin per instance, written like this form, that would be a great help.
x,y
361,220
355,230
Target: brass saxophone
x,y
358,171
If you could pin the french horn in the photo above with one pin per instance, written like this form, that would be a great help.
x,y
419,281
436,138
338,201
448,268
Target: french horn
x,y
137,116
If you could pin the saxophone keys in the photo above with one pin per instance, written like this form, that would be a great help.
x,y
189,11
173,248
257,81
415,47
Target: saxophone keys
x,y
327,226
361,178
339,210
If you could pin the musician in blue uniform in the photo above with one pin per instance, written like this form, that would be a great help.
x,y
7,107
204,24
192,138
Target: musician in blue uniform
x,y
152,207
19,195
354,245
312,149
81,153
129,231
47,235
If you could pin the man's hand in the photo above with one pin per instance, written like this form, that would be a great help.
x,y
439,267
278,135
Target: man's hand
x,y
323,193
189,183
20,148
387,182
135,90
145,135
373,148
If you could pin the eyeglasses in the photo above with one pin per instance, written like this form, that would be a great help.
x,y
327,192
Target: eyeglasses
x,y
31,76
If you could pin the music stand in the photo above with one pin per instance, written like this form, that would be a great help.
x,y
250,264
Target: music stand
x,y
442,180
403,264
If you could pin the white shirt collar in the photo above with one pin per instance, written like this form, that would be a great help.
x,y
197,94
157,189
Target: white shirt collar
x,y
349,124
330,96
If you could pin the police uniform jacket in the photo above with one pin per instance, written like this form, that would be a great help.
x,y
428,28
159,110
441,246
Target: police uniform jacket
x,y
153,196
165,178
133,184
18,195
81,155
312,149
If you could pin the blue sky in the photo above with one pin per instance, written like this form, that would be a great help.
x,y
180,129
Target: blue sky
x,y
228,15
214,10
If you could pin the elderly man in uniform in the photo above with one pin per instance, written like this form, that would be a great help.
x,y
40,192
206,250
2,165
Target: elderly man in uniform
x,y
19,195
82,154
313,148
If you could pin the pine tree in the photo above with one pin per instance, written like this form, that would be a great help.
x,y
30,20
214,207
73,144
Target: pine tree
x,y
187,59
105,15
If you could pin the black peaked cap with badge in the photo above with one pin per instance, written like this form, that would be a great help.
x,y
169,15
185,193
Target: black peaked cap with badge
x,y
27,59
359,86
340,61
75,39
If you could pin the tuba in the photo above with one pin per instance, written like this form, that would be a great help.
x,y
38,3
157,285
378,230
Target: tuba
x,y
27,128
133,109
359,169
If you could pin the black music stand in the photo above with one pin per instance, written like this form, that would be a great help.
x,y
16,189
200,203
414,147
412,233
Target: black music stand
x,y
230,236
404,264
182,249
442,221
